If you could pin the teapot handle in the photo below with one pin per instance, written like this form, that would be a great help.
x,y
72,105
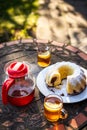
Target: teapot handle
x,y
5,87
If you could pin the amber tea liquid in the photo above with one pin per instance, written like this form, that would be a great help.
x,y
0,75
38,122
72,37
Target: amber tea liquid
x,y
52,108
44,59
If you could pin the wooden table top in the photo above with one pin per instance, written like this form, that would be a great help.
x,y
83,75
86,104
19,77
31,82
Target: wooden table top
x,y
31,117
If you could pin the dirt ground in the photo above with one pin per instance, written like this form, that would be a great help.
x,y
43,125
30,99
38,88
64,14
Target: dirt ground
x,y
63,21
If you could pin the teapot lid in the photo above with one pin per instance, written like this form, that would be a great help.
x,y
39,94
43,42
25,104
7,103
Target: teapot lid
x,y
17,69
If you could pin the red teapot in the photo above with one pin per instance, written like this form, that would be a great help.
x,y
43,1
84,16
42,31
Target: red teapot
x,y
19,87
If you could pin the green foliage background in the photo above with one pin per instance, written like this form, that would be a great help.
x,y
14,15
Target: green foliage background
x,y
18,19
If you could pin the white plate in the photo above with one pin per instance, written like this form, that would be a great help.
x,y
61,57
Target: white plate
x,y
41,84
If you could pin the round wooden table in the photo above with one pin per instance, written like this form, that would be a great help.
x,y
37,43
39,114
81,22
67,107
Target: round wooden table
x,y
31,117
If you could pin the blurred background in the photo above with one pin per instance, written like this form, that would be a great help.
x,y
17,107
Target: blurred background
x,y
60,20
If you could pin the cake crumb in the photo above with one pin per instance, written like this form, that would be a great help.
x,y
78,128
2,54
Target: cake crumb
x,y
62,94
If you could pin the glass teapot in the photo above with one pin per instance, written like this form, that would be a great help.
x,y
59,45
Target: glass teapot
x,y
19,87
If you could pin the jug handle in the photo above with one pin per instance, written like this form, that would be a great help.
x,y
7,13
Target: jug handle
x,y
5,87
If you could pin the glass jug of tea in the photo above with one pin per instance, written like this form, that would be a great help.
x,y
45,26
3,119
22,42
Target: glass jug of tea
x,y
19,87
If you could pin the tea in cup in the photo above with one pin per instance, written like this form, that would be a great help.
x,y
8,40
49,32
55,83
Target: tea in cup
x,y
43,55
53,108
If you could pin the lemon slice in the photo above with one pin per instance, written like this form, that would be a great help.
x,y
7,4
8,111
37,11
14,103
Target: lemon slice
x,y
44,55
52,106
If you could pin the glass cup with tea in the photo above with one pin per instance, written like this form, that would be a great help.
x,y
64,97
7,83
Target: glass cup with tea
x,y
43,55
53,108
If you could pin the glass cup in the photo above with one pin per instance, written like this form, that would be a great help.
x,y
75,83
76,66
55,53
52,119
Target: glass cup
x,y
43,55
53,108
